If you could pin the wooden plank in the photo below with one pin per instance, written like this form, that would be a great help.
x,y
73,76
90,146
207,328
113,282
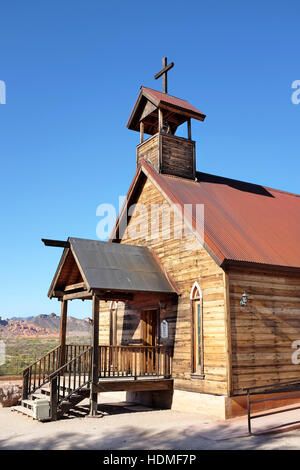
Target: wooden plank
x,y
53,399
63,331
141,132
263,332
56,243
189,129
228,334
123,385
95,356
79,285
78,295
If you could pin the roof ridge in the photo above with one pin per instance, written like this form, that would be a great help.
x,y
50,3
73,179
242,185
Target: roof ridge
x,y
167,94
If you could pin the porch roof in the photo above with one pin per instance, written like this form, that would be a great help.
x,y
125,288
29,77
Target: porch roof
x,y
111,267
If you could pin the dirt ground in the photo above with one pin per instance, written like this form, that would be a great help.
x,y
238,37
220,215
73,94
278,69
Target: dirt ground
x,y
127,426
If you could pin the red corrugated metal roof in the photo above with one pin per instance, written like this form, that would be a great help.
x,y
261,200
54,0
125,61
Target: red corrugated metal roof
x,y
242,221
159,97
181,109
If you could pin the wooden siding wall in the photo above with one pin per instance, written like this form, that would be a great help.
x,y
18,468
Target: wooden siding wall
x,y
186,266
177,156
264,330
149,150
169,154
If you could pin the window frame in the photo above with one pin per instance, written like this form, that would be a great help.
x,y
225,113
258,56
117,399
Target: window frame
x,y
197,350
113,324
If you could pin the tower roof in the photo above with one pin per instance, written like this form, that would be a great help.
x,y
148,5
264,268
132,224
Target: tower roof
x,y
177,111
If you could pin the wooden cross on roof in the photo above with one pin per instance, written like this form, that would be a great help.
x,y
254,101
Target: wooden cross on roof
x,y
163,73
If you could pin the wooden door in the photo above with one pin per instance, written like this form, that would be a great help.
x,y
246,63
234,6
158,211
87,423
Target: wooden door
x,y
149,327
149,338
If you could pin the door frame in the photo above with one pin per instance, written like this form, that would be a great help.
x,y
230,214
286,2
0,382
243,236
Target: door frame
x,y
156,335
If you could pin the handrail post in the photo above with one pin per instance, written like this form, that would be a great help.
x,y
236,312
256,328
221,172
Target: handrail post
x,y
62,333
95,358
53,398
25,384
249,411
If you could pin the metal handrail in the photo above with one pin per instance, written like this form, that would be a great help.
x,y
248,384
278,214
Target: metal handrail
x,y
57,371
38,360
269,386
80,375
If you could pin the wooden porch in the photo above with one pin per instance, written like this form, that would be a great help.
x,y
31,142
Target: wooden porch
x,y
120,368
100,271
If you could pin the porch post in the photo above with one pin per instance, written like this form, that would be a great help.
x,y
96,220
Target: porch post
x,y
189,130
95,364
63,331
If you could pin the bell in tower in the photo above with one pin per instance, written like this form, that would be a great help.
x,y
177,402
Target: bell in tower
x,y
159,114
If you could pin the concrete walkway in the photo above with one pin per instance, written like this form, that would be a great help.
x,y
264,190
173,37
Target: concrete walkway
x,y
127,426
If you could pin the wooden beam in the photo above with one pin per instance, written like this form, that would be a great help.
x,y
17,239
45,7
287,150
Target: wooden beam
x,y
229,371
165,69
57,243
63,331
139,385
182,112
53,399
95,357
160,120
141,132
79,285
189,129
84,295
102,295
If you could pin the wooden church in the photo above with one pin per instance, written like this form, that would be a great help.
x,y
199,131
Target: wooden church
x,y
186,315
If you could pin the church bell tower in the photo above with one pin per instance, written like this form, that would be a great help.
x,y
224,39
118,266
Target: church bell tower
x,y
159,114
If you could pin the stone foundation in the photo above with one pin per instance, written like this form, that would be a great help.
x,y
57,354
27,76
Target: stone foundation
x,y
178,400
161,399
219,407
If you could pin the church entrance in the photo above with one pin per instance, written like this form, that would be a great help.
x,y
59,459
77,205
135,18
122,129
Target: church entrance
x,y
149,327
150,336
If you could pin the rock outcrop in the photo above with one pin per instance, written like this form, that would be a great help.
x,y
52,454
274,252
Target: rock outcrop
x,y
10,394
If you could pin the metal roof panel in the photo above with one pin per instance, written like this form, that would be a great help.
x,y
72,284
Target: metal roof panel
x,y
111,266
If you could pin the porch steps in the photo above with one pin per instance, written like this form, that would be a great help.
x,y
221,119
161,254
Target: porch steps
x,y
24,410
26,406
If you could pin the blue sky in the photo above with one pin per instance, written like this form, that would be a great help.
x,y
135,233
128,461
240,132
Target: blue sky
x,y
73,70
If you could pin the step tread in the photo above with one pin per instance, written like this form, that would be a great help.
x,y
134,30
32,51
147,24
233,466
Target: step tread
x,y
40,396
28,401
23,410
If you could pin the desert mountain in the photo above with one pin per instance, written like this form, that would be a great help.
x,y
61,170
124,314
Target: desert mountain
x,y
42,325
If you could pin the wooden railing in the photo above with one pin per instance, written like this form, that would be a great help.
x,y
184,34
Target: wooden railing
x,y
37,374
134,361
114,361
74,350
69,378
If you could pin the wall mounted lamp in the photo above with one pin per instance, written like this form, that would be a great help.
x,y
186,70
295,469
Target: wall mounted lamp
x,y
244,299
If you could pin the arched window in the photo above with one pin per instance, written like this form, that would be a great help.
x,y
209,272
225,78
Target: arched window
x,y
197,330
113,324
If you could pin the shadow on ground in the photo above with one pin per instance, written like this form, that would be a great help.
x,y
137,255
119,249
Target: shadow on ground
x,y
135,437
107,409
